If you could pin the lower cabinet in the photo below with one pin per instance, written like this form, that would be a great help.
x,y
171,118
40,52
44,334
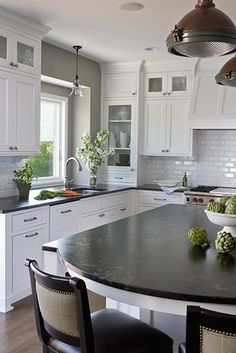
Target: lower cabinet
x,y
22,235
104,209
64,219
147,200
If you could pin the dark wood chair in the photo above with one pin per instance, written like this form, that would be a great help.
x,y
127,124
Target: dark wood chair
x,y
209,331
65,325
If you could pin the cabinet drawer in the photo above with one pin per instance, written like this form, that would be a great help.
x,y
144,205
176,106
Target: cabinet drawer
x,y
26,220
118,178
91,205
152,198
66,213
122,212
114,200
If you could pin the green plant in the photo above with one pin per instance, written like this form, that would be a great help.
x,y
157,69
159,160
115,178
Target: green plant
x,y
43,164
24,175
94,150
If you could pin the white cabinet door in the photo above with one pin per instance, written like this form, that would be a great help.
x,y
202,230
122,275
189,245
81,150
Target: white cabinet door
x,y
165,129
26,245
118,85
154,126
19,53
20,109
178,135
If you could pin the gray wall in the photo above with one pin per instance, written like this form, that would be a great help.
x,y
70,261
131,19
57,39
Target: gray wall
x,y
59,63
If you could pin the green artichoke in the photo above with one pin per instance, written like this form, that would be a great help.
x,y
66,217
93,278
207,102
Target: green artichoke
x,y
215,206
198,236
223,199
225,242
230,208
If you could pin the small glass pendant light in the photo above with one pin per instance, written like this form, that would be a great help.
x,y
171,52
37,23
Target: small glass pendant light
x,y
227,75
77,89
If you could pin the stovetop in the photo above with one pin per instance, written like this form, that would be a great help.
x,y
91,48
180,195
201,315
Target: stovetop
x,y
203,188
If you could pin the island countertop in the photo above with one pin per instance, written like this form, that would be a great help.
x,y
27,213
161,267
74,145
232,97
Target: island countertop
x,y
150,253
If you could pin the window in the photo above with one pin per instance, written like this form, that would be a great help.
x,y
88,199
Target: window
x,y
49,165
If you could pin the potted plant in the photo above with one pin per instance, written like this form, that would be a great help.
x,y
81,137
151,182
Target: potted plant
x,y
23,178
94,152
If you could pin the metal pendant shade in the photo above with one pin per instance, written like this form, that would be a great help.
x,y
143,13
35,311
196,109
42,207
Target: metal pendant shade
x,y
227,75
77,89
203,32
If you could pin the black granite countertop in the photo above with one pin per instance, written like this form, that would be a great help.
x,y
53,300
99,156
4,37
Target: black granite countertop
x,y
13,203
150,253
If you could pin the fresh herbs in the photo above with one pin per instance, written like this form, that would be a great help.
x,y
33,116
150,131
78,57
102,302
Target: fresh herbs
x,y
46,194
24,175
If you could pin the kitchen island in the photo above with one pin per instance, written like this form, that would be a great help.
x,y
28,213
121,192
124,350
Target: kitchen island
x,y
147,261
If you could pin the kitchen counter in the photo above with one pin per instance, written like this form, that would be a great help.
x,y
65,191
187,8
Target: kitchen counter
x,y
13,203
150,254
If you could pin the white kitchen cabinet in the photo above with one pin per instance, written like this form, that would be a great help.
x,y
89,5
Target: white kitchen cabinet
x,y
148,199
19,114
22,234
120,84
119,118
101,210
19,53
212,106
65,219
20,68
165,129
167,84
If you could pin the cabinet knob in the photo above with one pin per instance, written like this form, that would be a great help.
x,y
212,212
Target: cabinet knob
x,y
164,93
11,148
15,65
134,93
132,169
11,64
15,148
167,150
169,93
163,150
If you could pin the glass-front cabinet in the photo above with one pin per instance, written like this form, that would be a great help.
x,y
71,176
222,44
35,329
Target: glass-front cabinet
x,y
119,122
19,53
164,84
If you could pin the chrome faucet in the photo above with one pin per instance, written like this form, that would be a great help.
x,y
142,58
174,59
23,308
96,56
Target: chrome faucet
x,y
68,180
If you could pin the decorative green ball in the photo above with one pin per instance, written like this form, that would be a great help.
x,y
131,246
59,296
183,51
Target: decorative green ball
x,y
198,236
225,242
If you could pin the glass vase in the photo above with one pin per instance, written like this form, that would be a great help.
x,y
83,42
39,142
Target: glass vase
x,y
93,178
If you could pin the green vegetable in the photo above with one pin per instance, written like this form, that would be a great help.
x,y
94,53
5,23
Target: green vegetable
x,y
225,242
198,236
46,194
215,206
223,199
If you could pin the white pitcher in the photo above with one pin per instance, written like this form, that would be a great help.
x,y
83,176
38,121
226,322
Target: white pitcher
x,y
123,139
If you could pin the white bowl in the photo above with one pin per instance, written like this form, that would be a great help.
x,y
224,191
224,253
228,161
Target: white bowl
x,y
228,221
167,183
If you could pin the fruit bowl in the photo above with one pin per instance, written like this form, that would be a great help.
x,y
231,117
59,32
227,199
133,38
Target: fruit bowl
x,y
228,221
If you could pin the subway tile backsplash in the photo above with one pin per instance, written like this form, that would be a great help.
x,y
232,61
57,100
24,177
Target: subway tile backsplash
x,y
7,167
214,161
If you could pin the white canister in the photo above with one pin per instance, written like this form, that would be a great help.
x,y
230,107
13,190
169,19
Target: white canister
x,y
123,139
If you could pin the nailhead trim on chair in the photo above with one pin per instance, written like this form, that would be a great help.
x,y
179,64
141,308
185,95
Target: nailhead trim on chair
x,y
64,293
212,330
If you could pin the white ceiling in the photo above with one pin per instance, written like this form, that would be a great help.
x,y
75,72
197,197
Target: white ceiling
x,y
108,33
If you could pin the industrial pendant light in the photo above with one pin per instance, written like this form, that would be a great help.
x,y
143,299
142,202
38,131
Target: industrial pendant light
x,y
76,89
203,32
227,75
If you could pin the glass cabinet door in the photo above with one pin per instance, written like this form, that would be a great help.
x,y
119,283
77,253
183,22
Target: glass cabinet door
x,y
27,54
179,83
155,84
119,126
3,47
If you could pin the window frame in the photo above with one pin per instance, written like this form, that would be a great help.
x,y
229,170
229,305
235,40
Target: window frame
x,y
61,142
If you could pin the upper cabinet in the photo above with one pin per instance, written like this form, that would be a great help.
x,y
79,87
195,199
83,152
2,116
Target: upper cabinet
x,y
164,84
19,53
212,106
20,69
120,85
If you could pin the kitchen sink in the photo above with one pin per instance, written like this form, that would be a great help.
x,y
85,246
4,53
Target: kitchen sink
x,y
88,190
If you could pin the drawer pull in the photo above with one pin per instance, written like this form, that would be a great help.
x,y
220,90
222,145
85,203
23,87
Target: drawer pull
x,y
102,215
66,211
119,178
31,235
123,209
30,219
158,199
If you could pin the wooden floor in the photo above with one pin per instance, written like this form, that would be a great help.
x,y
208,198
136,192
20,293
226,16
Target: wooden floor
x,y
17,327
